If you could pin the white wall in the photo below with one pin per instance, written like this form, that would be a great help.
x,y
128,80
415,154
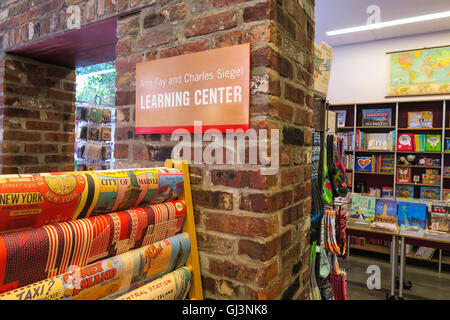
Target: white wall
x,y
359,72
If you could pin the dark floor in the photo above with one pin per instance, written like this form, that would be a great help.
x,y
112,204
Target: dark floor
x,y
427,282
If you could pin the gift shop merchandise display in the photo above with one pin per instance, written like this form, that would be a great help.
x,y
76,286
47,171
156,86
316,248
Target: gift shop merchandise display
x,y
329,213
98,235
398,154
94,128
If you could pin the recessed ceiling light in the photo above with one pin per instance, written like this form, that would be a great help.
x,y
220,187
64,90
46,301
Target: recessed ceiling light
x,y
427,17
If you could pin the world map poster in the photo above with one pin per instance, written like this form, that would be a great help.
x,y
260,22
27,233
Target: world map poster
x,y
419,72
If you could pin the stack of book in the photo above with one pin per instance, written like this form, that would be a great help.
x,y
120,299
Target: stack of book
x,y
375,141
375,163
419,142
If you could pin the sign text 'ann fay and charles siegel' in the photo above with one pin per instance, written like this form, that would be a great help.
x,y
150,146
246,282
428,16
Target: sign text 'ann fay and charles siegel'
x,y
210,86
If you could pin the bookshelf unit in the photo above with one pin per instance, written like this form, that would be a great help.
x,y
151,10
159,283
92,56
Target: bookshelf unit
x,y
399,124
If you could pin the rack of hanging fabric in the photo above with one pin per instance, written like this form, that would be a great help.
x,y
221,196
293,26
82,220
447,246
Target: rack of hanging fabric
x,y
328,218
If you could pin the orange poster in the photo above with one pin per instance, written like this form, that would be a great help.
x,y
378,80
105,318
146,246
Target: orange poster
x,y
211,86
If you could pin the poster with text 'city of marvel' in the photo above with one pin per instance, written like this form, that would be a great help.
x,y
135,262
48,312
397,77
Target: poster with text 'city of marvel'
x,y
419,72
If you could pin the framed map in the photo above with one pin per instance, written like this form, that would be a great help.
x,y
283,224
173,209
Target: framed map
x,y
419,72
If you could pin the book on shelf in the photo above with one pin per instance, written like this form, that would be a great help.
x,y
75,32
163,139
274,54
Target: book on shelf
x,y
341,117
376,117
447,144
375,141
422,119
425,253
433,143
364,163
405,142
375,164
347,140
430,192
349,178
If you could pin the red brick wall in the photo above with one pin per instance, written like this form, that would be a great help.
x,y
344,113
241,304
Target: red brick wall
x,y
37,102
253,230
24,21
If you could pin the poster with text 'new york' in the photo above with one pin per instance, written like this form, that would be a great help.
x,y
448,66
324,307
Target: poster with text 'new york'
x,y
419,72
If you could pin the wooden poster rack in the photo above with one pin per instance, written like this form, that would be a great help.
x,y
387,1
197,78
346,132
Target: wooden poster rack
x,y
193,261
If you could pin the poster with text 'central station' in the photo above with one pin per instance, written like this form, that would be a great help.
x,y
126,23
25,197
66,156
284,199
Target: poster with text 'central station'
x,y
211,86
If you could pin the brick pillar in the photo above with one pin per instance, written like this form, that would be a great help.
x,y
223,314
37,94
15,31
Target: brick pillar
x,y
253,230
37,102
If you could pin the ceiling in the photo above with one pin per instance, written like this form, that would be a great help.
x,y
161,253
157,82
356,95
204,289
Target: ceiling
x,y
338,14
92,44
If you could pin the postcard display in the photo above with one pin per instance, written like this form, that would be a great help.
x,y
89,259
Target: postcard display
x,y
399,154
94,127
98,235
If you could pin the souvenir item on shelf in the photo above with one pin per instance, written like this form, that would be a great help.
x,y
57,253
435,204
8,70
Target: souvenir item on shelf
x,y
430,192
37,199
116,275
404,191
327,193
446,194
431,179
376,117
173,286
363,163
95,114
422,119
433,143
93,133
81,114
447,144
82,132
403,175
105,133
387,192
387,163
412,214
386,211
106,152
416,178
106,115
375,192
446,171
405,142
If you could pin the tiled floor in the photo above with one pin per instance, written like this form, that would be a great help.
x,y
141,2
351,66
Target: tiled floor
x,y
427,282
